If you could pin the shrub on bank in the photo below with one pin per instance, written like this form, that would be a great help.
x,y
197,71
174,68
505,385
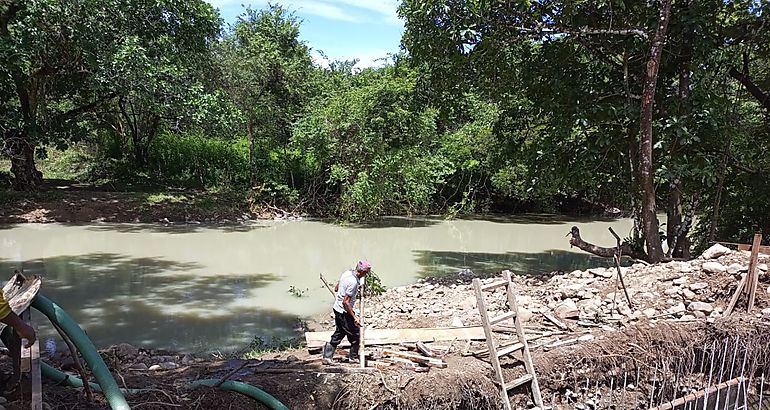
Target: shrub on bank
x,y
193,160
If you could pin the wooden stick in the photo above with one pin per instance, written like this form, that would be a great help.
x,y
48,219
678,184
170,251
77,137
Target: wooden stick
x,y
361,353
76,360
736,295
35,376
617,256
229,375
321,275
753,271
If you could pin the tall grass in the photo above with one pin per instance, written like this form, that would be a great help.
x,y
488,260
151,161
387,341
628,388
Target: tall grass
x,y
193,160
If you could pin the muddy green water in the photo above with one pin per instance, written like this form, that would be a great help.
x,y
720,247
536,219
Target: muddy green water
x,y
213,288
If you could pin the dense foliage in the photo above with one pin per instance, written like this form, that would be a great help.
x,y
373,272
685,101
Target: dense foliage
x,y
523,105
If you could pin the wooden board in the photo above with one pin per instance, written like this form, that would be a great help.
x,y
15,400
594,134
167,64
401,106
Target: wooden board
x,y
395,336
416,358
762,249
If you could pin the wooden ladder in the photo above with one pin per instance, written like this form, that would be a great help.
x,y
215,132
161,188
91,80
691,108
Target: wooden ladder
x,y
494,352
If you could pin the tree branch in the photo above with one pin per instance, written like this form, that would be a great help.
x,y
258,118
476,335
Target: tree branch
x,y
84,108
625,248
540,30
756,92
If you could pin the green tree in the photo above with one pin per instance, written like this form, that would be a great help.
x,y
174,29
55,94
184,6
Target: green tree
x,y
62,60
267,73
599,72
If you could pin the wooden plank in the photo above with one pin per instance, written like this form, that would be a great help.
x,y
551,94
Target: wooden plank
x,y
396,336
425,350
37,388
416,358
555,321
762,248
753,271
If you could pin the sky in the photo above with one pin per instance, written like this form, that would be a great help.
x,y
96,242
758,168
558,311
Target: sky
x,y
367,30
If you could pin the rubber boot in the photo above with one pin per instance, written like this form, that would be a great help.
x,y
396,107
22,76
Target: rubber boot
x,y
328,353
353,353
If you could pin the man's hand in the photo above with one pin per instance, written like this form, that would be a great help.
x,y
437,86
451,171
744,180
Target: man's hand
x,y
25,331
356,321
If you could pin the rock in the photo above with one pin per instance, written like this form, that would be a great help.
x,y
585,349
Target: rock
x,y
457,322
567,309
715,251
713,267
685,268
139,366
681,280
169,365
125,351
671,291
188,359
292,358
679,308
762,267
685,318
698,314
699,286
154,367
766,311
3,400
700,306
688,294
571,290
735,268
649,312
525,315
468,303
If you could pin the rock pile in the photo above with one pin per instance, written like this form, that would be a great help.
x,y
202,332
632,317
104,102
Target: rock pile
x,y
691,290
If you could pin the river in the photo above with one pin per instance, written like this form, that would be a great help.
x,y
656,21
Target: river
x,y
216,288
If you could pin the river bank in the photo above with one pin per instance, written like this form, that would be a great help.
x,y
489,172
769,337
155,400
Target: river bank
x,y
677,311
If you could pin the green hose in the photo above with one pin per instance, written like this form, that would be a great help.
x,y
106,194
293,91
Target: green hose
x,y
243,388
87,349
64,379
107,383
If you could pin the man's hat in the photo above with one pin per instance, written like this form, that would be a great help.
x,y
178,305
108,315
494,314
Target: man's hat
x,y
363,266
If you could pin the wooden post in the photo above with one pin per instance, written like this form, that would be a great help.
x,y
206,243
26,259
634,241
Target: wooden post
x,y
362,352
753,270
35,376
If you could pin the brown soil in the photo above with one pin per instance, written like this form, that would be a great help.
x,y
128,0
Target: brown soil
x,y
73,203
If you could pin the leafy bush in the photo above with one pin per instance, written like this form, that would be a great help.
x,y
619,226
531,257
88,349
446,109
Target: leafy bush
x,y
194,160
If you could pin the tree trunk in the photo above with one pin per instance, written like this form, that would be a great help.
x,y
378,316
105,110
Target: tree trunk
x,y
22,154
646,170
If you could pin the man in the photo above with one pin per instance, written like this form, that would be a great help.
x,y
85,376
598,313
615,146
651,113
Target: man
x,y
345,318
11,337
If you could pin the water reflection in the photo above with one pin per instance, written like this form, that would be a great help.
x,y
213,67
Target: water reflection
x,y
214,288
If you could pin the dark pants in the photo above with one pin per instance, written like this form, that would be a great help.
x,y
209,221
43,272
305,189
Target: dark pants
x,y
346,326
13,343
